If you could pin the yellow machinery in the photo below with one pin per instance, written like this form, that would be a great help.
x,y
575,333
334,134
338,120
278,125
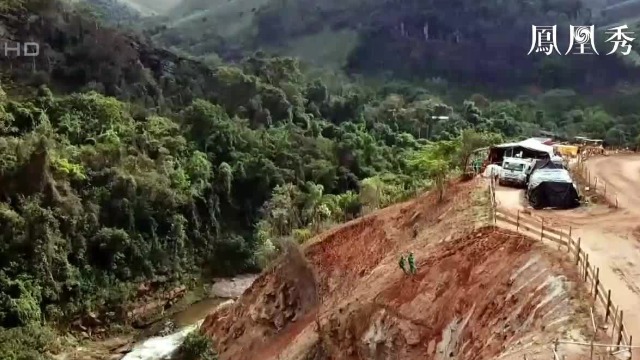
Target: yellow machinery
x,y
566,150
590,147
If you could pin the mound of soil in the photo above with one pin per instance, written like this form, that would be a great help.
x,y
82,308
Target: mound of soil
x,y
477,292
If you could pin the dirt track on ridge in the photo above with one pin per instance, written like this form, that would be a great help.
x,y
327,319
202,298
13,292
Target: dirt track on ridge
x,y
610,236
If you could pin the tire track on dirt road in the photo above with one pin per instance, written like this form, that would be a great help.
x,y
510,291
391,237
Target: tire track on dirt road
x,y
606,234
622,175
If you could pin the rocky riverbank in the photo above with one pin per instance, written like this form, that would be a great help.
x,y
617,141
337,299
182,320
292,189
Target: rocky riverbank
x,y
166,333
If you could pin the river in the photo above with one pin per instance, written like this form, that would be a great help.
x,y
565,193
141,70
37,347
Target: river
x,y
163,347
160,347
190,319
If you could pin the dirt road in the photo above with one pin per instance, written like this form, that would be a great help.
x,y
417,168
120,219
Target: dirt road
x,y
610,236
621,174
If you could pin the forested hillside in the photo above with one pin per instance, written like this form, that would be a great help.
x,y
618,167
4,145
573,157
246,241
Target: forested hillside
x,y
113,12
466,42
121,162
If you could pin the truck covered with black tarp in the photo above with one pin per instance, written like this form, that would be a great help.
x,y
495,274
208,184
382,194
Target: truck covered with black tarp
x,y
552,188
544,164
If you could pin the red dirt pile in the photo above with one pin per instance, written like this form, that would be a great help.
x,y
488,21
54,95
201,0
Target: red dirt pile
x,y
346,298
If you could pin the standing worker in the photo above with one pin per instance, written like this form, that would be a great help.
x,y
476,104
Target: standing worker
x,y
402,264
412,264
477,165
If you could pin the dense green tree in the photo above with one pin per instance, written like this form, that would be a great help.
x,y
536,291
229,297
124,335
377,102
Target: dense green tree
x,y
171,169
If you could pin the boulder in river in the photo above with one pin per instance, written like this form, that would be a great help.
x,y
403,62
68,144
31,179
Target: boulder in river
x,y
168,329
232,288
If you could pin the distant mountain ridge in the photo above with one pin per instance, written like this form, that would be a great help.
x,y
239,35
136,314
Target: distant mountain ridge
x,y
77,53
459,40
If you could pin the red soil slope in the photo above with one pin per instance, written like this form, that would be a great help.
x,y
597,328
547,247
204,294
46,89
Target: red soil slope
x,y
476,293
283,296
466,301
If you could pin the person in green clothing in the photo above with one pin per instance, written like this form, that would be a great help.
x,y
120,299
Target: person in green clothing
x,y
477,165
402,264
412,264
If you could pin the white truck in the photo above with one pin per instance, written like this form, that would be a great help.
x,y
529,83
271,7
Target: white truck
x,y
514,171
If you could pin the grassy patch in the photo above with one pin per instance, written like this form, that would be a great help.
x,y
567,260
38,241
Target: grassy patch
x,y
481,202
148,7
327,48
196,346
29,342
221,17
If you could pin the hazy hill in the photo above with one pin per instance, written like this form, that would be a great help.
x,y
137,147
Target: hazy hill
x,y
79,52
460,40
151,7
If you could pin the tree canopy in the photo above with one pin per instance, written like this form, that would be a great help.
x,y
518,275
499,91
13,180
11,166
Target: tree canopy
x,y
117,168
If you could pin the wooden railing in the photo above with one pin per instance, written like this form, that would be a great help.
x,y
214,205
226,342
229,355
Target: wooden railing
x,y
589,273
598,185
492,198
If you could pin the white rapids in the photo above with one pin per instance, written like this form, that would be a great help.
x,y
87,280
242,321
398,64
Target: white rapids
x,y
161,347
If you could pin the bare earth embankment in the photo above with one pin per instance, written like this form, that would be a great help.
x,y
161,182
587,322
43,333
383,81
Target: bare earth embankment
x,y
479,292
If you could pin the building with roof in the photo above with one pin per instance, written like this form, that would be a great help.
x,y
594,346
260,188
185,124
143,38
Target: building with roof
x,y
530,148
544,140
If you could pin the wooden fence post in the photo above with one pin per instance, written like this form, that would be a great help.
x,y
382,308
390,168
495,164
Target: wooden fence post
x,y
518,221
608,309
578,252
542,230
494,193
615,323
596,282
586,266
620,328
570,231
570,245
495,217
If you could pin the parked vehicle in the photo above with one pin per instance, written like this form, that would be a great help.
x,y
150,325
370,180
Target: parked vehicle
x,y
555,162
514,171
558,160
552,188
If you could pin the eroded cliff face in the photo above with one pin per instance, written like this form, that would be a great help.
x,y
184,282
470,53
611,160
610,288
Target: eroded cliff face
x,y
283,298
478,292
